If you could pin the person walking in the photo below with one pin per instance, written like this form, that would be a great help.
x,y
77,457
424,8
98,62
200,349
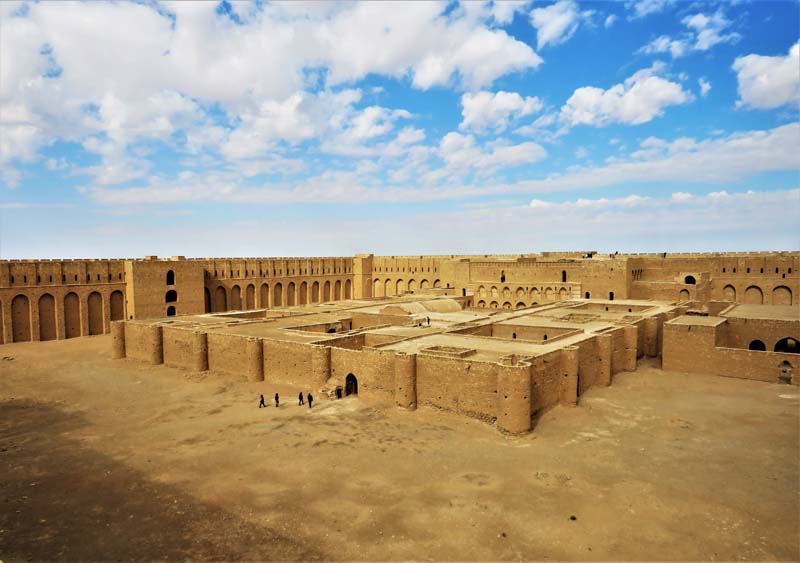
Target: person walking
x,y
300,398
277,400
429,321
261,403
310,399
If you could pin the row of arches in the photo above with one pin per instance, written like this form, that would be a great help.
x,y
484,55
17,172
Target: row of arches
x,y
388,288
786,345
536,294
506,305
754,295
276,295
42,319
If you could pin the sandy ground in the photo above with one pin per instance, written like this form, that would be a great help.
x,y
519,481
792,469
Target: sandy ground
x,y
119,461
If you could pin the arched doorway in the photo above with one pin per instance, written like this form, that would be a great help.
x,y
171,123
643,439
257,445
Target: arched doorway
x,y
781,295
220,299
315,292
757,346
236,298
563,276
684,295
20,319
206,296
786,373
290,294
303,295
326,291
171,296
587,295
350,385
337,290
788,345
95,303
610,295
689,280
170,277
250,297
348,289
753,295
72,315
264,295
171,311
277,295
47,317
332,330
729,293
118,305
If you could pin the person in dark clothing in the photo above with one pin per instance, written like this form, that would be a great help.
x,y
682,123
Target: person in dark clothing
x,y
310,399
277,400
300,398
429,320
261,403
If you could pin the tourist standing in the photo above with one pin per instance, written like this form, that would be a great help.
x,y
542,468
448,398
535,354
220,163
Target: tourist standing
x,y
277,400
310,399
300,398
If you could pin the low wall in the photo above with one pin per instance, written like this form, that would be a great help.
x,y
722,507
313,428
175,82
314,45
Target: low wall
x,y
288,362
227,353
695,352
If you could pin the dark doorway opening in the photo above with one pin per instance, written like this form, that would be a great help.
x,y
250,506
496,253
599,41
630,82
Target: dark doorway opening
x,y
689,280
588,295
331,330
758,346
339,392
170,311
350,385
610,295
788,346
563,276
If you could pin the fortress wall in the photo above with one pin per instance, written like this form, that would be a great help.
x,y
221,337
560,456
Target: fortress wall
x,y
695,352
43,314
738,333
288,362
464,387
228,353
546,381
374,369
185,348
139,341
589,366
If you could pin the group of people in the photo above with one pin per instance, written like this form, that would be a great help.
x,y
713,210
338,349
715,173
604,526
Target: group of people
x,y
309,400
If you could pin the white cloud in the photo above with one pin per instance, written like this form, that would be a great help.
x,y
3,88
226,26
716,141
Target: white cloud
x,y
642,8
129,73
703,32
581,152
639,99
503,10
487,111
461,154
705,86
556,23
681,161
665,44
768,82
609,21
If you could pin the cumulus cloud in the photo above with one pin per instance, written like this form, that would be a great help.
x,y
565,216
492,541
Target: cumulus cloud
x,y
768,82
609,21
556,23
483,111
639,99
703,32
705,86
133,73
642,8
503,10
680,161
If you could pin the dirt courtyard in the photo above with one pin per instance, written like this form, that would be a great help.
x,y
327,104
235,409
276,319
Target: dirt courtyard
x,y
118,461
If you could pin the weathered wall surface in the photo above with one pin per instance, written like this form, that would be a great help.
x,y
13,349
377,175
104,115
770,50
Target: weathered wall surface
x,y
373,368
695,352
288,362
465,387
740,333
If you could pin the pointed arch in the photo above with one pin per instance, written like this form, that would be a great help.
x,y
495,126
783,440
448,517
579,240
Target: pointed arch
x,y
290,294
753,295
303,295
326,291
20,319
315,292
337,290
277,295
72,315
95,304
250,297
236,298
220,299
348,289
781,295
264,295
47,317
117,301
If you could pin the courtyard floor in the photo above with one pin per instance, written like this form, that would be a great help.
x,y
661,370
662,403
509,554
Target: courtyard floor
x,y
117,460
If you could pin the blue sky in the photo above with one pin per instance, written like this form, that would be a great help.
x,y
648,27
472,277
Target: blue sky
x,y
270,129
